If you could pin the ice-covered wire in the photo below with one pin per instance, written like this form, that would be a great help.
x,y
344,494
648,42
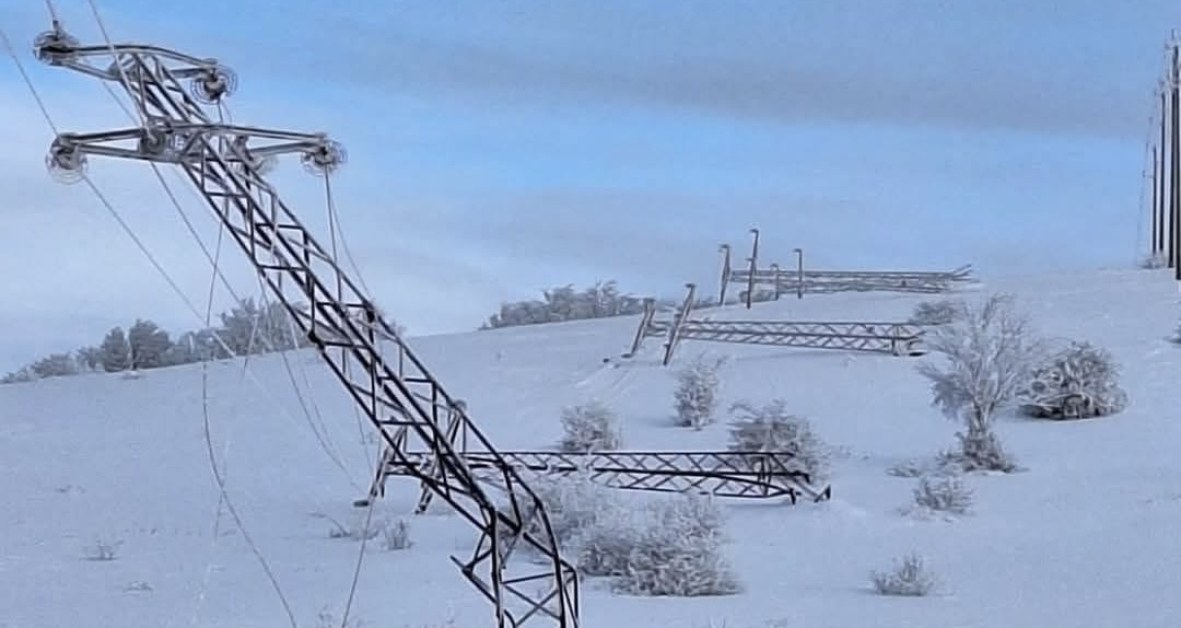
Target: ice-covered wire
x,y
20,67
172,284
223,113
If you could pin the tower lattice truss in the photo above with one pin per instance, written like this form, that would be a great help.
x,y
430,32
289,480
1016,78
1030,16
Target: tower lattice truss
x,y
900,339
178,99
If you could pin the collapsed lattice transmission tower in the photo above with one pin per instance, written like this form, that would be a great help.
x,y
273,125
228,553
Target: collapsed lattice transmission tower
x,y
900,339
175,95
776,280
738,474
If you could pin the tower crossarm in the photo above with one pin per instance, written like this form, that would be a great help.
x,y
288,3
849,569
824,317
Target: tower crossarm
x,y
168,141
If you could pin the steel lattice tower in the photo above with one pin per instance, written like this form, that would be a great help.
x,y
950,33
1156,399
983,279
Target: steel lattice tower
x,y
175,95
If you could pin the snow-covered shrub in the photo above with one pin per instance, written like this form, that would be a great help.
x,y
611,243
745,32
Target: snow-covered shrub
x,y
1078,382
679,553
671,547
573,504
697,392
326,619
908,577
979,451
908,469
988,353
941,312
396,535
771,428
589,427
946,494
103,550
1153,262
605,547
362,527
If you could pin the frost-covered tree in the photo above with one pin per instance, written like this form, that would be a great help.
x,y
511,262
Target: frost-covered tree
x,y
89,358
696,396
240,328
116,352
19,376
591,426
566,303
149,345
987,353
1080,381
55,365
770,427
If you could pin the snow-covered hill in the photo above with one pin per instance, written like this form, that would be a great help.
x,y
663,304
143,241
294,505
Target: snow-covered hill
x,y
1085,537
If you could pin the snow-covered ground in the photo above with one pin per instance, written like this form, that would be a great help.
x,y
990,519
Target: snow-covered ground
x,y
1087,536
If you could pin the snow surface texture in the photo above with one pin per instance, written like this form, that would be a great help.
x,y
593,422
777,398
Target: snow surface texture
x,y
1085,537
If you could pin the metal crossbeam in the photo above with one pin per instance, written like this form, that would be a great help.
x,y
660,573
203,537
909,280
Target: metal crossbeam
x,y
402,399
758,475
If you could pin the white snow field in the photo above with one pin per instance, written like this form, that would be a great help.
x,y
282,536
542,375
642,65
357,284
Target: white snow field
x,y
1086,536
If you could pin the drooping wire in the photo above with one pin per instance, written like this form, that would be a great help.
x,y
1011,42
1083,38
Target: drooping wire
x,y
172,284
204,375
28,81
320,433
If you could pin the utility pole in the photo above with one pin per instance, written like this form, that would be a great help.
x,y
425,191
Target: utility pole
x,y
799,273
1155,225
1175,165
754,266
1160,184
725,250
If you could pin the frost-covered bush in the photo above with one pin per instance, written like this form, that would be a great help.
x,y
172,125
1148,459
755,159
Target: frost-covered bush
x,y
103,550
988,353
604,548
1078,382
574,504
946,494
697,392
670,547
361,527
908,577
771,428
978,451
589,427
941,312
1153,262
396,535
679,553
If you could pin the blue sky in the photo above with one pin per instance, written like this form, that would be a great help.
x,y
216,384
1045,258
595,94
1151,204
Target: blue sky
x,y
497,148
